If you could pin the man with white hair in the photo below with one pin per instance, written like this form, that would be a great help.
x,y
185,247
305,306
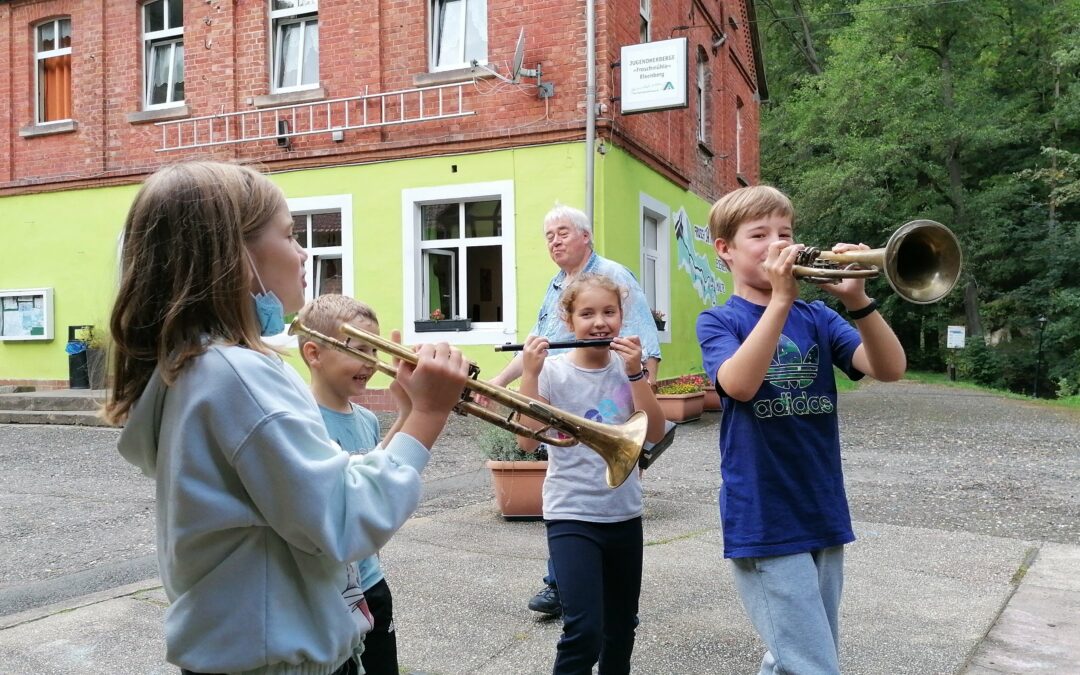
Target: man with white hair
x,y
569,241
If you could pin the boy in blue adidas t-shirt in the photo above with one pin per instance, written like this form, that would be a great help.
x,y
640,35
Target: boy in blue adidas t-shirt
x,y
782,502
335,378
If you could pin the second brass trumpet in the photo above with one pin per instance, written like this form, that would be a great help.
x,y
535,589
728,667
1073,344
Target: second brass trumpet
x,y
618,444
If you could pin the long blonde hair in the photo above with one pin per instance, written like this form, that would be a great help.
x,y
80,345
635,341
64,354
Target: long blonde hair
x,y
184,275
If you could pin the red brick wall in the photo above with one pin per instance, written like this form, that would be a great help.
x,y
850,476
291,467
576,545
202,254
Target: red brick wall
x,y
379,45
671,136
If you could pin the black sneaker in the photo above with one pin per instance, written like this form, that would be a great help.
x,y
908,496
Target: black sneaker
x,y
547,601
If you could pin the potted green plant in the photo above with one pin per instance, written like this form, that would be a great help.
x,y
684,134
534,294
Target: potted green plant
x,y
517,476
439,322
683,398
660,319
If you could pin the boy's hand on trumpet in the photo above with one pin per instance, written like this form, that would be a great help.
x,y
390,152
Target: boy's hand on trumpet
x,y
851,290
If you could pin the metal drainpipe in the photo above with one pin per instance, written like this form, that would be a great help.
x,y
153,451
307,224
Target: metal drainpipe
x,y
590,104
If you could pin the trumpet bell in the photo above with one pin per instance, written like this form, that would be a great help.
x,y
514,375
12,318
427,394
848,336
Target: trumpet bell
x,y
619,446
922,261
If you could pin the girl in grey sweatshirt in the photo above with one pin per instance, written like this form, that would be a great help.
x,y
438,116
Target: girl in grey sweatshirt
x,y
257,509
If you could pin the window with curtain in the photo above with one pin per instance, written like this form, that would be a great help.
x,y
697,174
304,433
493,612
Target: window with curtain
x,y
655,252
295,44
461,257
320,235
458,34
163,53
52,55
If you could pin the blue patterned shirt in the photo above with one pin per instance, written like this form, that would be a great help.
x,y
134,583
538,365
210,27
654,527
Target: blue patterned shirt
x,y
637,315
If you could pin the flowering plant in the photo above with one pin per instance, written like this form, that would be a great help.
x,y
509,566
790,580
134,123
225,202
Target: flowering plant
x,y
437,315
657,315
684,384
693,380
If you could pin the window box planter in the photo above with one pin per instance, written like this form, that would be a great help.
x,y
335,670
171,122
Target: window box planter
x,y
682,407
661,324
432,326
519,488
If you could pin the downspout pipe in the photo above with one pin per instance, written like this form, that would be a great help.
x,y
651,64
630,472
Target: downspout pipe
x,y
590,105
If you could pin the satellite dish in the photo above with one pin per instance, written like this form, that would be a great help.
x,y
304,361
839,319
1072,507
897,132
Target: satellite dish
x,y
519,57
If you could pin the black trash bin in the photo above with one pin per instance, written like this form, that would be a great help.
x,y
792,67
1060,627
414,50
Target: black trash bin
x,y
78,373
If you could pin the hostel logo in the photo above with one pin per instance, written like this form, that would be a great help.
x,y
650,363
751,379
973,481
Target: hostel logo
x,y
669,86
790,370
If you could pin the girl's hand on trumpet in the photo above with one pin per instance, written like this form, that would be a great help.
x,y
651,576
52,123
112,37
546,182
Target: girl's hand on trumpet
x,y
401,397
434,387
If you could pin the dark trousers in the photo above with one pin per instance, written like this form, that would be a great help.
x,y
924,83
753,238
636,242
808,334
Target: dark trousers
x,y
380,645
599,571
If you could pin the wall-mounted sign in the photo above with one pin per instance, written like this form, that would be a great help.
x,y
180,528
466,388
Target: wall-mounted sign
x,y
26,314
654,76
955,337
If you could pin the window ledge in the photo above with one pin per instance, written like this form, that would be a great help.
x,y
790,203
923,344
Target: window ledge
x,y
451,76
476,336
705,149
48,128
159,114
288,97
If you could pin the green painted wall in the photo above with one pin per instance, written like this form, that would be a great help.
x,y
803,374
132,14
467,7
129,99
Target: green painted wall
x,y
67,240
621,180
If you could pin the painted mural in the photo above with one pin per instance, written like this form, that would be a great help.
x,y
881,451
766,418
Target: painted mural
x,y
695,263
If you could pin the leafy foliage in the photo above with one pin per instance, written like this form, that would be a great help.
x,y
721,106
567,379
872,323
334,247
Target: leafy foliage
x,y
964,112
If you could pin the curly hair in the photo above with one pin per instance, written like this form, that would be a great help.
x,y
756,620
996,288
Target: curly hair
x,y
580,283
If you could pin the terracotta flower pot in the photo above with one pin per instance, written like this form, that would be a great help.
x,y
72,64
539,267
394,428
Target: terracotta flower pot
x,y
682,407
712,400
519,488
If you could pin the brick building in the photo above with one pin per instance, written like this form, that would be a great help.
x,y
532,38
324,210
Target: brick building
x,y
417,164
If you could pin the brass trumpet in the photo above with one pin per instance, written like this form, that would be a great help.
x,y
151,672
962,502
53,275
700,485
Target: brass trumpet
x,y
618,444
921,261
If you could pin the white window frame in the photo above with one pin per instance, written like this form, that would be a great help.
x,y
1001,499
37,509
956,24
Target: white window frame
x,y
433,37
485,333
661,213
172,36
702,102
738,136
279,18
324,204
645,11
49,54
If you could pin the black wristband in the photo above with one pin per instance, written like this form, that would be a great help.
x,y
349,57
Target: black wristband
x,y
644,372
864,312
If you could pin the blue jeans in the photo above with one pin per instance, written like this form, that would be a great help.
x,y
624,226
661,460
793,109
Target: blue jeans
x,y
599,571
794,602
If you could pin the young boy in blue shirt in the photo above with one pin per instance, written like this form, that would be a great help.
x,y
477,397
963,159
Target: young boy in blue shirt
x,y
782,501
335,378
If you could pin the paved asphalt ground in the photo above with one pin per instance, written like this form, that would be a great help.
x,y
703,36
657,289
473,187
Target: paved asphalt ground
x,y
966,508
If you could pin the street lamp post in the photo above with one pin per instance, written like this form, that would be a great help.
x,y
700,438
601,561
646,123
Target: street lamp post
x,y
1038,358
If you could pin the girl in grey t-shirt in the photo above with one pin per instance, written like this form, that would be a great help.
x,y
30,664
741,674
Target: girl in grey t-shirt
x,y
594,532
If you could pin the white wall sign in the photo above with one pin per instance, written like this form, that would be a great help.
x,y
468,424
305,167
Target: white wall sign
x,y
956,337
26,314
654,76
